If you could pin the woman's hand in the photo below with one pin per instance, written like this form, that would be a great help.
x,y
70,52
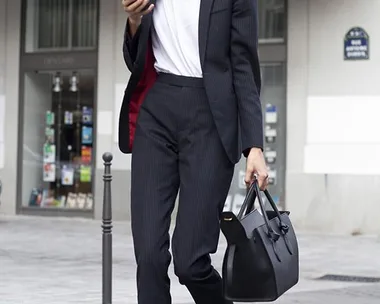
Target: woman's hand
x,y
256,169
136,9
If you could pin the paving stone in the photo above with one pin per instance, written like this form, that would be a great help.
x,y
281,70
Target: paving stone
x,y
58,261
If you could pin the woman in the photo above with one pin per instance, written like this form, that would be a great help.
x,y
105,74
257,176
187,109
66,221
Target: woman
x,y
191,108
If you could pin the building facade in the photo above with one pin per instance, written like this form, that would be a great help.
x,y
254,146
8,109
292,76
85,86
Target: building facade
x,y
62,78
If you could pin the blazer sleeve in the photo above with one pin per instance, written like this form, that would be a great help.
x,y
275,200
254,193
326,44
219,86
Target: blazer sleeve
x,y
246,73
130,46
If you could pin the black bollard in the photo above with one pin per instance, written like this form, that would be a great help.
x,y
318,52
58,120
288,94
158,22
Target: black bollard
x,y
107,231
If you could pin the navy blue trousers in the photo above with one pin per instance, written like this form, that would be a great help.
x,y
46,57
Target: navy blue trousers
x,y
177,149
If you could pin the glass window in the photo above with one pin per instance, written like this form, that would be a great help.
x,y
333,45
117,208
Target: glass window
x,y
61,25
272,20
58,162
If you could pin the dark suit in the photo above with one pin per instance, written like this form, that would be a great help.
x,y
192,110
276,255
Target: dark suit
x,y
231,71
187,134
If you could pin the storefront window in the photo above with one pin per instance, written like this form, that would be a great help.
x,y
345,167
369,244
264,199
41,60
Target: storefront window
x,y
58,146
56,25
272,20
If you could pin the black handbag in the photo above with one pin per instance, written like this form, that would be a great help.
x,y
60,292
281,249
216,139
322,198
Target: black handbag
x,y
261,261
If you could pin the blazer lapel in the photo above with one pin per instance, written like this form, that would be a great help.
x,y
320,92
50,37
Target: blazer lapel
x,y
204,22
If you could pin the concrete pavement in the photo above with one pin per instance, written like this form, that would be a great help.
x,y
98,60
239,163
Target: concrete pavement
x,y
58,261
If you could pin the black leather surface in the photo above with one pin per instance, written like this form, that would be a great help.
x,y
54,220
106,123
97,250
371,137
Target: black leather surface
x,y
261,261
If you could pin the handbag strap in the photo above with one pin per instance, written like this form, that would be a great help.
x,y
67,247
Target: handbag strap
x,y
283,226
274,236
249,199
247,206
251,203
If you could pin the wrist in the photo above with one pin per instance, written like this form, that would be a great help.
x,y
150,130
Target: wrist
x,y
134,20
255,150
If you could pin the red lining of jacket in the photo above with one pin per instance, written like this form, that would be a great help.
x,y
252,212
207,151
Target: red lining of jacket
x,y
147,80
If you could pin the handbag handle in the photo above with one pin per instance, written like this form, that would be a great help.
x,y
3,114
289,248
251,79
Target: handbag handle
x,y
252,192
249,199
247,205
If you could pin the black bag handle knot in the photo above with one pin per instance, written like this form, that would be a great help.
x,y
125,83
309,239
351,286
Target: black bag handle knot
x,y
247,206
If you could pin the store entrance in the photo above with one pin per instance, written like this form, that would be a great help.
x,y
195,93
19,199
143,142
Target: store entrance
x,y
58,142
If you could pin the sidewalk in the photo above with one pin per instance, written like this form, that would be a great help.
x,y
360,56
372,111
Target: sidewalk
x,y
58,261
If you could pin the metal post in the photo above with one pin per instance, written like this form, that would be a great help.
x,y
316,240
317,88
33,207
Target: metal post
x,y
107,231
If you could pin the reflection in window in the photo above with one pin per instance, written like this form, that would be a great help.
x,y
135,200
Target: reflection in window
x,y
271,19
273,75
61,24
53,20
58,140
84,29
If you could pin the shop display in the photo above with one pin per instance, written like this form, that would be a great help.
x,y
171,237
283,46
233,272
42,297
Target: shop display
x,y
66,151
67,176
87,115
69,118
35,197
47,198
86,154
49,118
50,135
81,200
49,172
71,200
49,153
89,201
85,174
86,135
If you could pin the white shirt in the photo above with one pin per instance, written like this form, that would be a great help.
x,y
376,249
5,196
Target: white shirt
x,y
175,37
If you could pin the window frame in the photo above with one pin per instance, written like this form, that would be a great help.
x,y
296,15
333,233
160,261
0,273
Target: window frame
x,y
274,40
70,47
